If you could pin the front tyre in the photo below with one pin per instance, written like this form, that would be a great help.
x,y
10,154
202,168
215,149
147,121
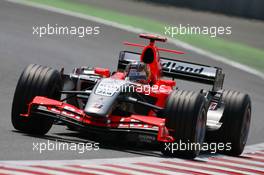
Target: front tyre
x,y
185,113
35,80
236,123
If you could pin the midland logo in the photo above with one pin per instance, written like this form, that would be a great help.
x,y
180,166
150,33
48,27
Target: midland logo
x,y
182,67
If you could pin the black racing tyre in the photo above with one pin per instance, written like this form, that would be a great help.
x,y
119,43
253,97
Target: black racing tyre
x,y
35,80
185,113
235,123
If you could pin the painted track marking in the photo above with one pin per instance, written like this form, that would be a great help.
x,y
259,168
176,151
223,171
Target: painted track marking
x,y
251,162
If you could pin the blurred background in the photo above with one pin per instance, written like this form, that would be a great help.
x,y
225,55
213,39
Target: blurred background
x,y
245,17
243,8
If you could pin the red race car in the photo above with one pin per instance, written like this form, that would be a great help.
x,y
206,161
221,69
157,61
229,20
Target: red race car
x,y
138,98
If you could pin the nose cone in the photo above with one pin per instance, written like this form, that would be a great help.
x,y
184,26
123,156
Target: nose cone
x,y
98,106
104,97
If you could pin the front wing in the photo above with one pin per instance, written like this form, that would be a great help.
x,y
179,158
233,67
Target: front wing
x,y
71,115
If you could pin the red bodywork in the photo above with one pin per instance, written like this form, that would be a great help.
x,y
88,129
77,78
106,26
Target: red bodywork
x,y
149,122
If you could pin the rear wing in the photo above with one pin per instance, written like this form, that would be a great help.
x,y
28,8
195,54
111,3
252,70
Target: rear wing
x,y
180,70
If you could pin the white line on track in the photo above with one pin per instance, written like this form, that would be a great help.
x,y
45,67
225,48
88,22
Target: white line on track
x,y
138,30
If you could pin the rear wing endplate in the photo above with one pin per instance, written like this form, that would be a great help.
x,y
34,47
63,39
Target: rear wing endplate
x,y
180,70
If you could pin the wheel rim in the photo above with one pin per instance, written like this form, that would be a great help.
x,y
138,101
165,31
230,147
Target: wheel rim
x,y
245,127
200,127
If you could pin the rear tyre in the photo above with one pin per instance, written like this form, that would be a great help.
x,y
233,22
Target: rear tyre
x,y
185,113
236,123
35,80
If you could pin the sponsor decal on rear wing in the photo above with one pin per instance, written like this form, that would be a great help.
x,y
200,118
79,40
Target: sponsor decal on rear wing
x,y
181,70
173,66
193,72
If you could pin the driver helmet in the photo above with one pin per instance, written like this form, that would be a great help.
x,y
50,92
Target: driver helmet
x,y
138,72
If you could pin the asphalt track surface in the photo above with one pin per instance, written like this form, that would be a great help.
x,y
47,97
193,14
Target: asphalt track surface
x,y
18,48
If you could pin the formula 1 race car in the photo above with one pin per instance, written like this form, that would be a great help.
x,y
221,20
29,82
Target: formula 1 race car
x,y
137,98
